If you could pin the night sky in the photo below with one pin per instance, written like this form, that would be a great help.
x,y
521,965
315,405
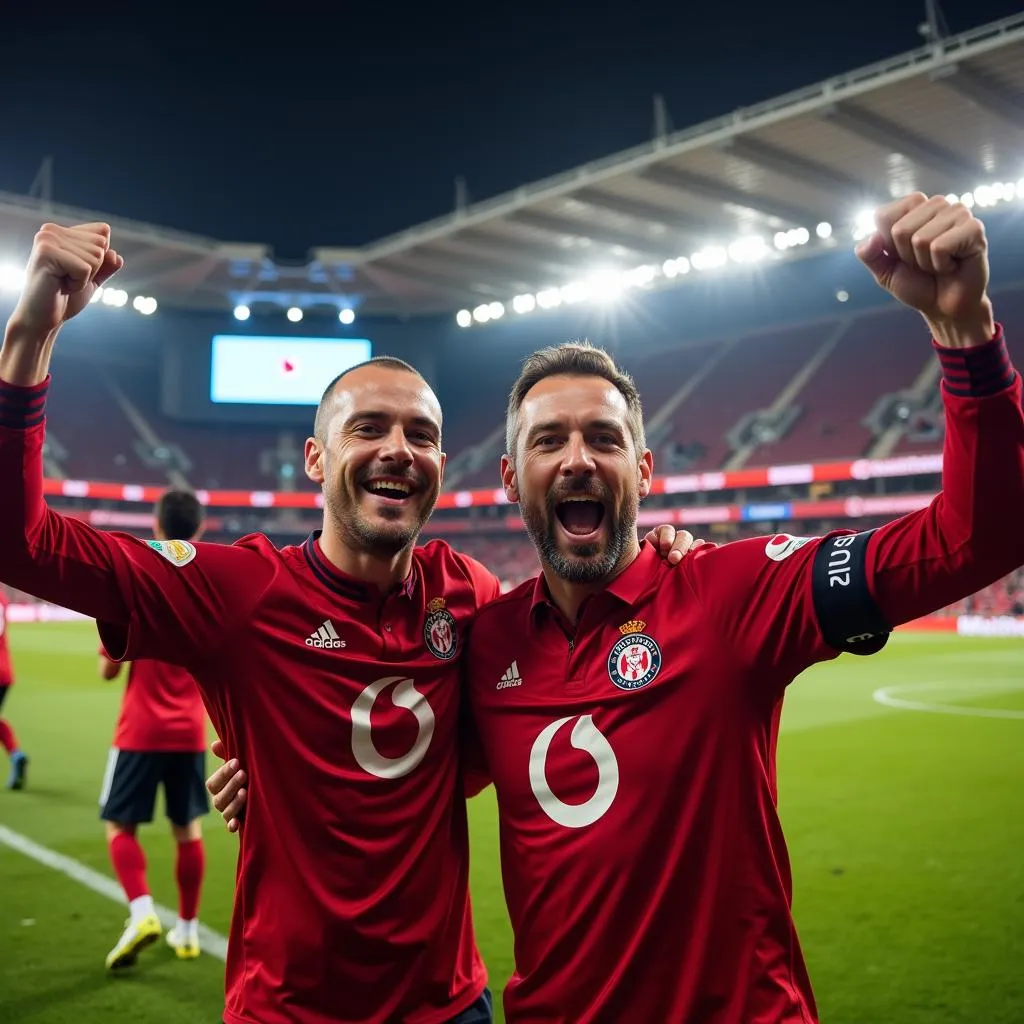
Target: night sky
x,y
340,128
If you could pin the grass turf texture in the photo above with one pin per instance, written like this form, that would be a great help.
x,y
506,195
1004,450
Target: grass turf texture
x,y
905,830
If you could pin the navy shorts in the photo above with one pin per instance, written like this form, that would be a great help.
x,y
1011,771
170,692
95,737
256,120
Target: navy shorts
x,y
481,1012
133,777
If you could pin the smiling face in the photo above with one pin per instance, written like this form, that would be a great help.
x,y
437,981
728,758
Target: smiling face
x,y
379,458
578,476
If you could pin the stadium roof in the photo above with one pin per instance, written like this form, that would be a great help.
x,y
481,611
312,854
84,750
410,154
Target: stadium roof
x,y
945,118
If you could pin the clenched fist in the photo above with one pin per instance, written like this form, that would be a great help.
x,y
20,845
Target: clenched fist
x,y
932,256
65,268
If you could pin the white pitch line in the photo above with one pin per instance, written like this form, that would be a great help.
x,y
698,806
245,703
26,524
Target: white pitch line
x,y
210,941
885,696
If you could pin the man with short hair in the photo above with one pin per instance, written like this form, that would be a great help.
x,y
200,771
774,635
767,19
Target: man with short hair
x,y
644,864
352,901
8,740
159,741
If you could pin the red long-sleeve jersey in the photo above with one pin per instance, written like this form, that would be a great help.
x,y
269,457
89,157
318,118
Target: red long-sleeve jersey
x,y
352,897
633,755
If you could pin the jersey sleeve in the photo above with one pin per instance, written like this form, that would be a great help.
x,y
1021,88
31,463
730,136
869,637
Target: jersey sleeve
x,y
784,603
173,601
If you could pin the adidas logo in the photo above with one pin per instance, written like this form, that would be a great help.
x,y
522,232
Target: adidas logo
x,y
325,636
511,677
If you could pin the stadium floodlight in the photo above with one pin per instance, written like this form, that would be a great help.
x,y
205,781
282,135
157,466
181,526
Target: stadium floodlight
x,y
347,316
242,312
463,318
12,279
497,310
574,291
482,313
294,314
97,295
709,258
842,295
144,304
748,249
115,297
864,224
606,285
985,195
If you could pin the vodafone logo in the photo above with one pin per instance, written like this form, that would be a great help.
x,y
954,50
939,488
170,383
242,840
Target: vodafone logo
x,y
586,737
782,545
405,695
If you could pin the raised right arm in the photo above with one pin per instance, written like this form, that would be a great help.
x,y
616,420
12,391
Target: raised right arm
x,y
167,600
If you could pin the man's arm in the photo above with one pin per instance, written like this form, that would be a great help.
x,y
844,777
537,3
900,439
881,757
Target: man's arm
x,y
786,603
172,603
108,669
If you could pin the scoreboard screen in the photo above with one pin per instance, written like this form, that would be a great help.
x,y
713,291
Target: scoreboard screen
x,y
247,370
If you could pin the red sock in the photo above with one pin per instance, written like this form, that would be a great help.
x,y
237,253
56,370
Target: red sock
x,y
129,865
189,872
7,738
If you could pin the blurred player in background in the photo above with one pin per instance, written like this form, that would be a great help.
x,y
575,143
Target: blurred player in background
x,y
18,758
160,740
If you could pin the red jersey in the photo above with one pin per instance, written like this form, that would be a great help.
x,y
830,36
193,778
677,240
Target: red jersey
x,y
352,899
644,864
6,673
161,709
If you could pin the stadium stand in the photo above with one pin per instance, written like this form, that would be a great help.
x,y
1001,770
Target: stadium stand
x,y
852,386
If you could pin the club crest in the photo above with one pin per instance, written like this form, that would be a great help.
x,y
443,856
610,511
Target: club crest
x,y
635,659
440,633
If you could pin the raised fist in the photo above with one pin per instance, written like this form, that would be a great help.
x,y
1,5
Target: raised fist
x,y
933,257
65,268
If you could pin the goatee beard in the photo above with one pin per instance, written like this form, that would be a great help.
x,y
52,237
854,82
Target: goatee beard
x,y
584,563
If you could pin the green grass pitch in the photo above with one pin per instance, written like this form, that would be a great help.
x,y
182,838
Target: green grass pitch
x,y
906,829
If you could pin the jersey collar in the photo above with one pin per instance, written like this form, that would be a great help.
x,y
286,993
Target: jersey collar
x,y
340,582
627,587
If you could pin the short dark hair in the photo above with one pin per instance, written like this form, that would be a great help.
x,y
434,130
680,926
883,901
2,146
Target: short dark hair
x,y
322,410
179,515
573,359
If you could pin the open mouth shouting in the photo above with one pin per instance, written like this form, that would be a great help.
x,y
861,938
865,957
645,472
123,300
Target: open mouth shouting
x,y
581,518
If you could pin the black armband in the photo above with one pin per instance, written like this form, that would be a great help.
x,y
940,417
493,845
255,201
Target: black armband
x,y
849,619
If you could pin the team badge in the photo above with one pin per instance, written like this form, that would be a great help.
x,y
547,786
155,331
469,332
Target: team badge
x,y
782,545
439,631
177,552
635,659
